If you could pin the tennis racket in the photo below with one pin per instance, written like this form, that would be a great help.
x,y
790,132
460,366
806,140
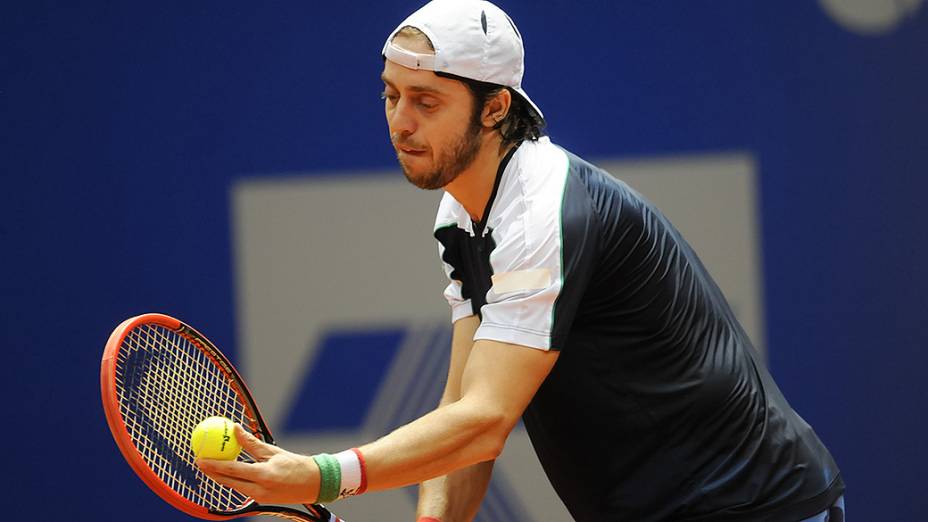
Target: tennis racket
x,y
159,379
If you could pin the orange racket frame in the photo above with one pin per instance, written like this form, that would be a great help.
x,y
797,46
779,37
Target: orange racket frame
x,y
117,423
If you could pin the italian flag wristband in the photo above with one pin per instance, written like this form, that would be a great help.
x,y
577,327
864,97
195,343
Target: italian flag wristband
x,y
341,475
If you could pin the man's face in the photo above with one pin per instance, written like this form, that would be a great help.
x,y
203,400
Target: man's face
x,y
430,122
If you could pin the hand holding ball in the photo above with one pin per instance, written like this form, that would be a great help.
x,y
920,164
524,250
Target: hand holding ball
x,y
214,438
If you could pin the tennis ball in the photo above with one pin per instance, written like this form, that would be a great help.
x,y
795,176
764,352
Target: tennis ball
x,y
214,438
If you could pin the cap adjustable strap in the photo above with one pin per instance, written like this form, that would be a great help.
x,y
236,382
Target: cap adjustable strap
x,y
408,58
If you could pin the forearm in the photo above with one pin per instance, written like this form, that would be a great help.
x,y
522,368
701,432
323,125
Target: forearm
x,y
455,497
447,439
433,493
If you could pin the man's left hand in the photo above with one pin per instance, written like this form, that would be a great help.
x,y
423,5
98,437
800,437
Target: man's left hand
x,y
277,477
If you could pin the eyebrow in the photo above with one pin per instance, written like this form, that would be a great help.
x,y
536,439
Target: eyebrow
x,y
414,88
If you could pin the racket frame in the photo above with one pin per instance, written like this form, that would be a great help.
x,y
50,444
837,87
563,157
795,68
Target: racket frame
x,y
117,424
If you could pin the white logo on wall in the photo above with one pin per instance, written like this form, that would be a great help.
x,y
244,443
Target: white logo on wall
x,y
344,334
870,17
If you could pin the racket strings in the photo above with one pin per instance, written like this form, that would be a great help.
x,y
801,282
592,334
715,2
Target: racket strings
x,y
166,386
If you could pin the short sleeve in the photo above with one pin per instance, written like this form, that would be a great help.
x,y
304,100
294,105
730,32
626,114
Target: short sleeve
x,y
541,268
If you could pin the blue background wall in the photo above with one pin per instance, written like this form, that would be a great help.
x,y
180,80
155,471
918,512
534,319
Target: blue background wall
x,y
125,123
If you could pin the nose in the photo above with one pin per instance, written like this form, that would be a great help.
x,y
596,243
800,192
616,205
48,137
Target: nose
x,y
401,119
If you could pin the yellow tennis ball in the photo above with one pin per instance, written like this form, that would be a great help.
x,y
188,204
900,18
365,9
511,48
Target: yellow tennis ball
x,y
214,438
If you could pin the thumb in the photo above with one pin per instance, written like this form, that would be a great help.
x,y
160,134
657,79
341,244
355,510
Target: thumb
x,y
258,449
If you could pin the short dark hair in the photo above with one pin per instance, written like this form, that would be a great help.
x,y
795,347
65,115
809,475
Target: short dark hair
x,y
521,122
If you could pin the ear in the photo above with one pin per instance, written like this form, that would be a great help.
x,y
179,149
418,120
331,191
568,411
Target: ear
x,y
496,109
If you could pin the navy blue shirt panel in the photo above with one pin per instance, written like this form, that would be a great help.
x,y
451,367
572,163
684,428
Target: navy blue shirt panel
x,y
658,407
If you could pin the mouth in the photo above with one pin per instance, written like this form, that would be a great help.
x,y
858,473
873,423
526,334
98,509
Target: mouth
x,y
410,151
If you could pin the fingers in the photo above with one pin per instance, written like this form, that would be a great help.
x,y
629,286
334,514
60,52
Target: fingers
x,y
258,449
230,468
244,487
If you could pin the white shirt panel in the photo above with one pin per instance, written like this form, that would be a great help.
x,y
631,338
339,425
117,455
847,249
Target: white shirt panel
x,y
526,222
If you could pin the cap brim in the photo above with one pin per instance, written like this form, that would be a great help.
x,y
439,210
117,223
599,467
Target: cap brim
x,y
530,102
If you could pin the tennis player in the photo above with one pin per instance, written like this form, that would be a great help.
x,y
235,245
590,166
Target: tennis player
x,y
576,306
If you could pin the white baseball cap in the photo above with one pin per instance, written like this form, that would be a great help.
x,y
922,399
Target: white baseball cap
x,y
472,39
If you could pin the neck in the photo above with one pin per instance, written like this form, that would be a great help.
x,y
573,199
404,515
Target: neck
x,y
472,188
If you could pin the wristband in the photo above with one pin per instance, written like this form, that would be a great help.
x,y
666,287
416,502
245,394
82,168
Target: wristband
x,y
330,477
354,480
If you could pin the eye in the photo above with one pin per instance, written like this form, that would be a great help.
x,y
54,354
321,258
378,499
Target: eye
x,y
388,96
427,103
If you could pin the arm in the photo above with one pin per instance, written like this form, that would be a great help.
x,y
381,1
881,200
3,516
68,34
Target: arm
x,y
456,496
470,430
464,432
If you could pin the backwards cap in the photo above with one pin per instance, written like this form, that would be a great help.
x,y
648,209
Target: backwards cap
x,y
472,39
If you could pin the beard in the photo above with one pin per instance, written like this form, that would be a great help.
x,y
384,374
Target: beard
x,y
450,163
